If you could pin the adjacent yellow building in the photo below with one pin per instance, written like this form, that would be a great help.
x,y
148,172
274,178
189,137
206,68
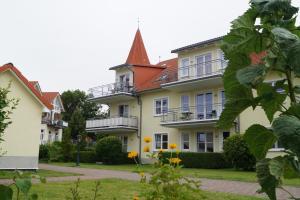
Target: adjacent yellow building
x,y
175,101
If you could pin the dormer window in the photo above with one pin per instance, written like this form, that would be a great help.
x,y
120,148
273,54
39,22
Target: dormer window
x,y
184,70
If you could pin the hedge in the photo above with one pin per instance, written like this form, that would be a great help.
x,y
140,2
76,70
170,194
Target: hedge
x,y
85,156
200,160
90,157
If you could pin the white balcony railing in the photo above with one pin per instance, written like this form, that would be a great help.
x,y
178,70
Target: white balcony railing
x,y
111,89
202,70
112,122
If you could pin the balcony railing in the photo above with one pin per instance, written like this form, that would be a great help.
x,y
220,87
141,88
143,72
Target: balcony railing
x,y
111,89
55,123
202,70
193,113
112,122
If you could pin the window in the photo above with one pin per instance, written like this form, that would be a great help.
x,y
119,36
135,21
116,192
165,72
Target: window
x,y
226,134
185,103
124,140
205,142
277,146
185,141
42,134
161,106
184,70
161,141
204,106
56,137
203,65
123,111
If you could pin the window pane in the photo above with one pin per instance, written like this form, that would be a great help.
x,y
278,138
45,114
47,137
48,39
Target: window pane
x,y
201,137
208,65
200,106
184,67
209,147
200,65
185,103
158,107
157,141
165,141
209,137
165,105
185,141
201,147
208,102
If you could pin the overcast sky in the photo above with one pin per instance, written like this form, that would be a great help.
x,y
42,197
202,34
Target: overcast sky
x,y
70,44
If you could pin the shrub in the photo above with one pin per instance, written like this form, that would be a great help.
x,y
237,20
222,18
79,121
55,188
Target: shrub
x,y
236,152
55,152
85,156
109,150
44,154
200,160
67,148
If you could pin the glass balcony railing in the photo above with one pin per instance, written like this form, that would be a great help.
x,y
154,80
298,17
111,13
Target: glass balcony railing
x,y
112,122
193,113
111,89
202,70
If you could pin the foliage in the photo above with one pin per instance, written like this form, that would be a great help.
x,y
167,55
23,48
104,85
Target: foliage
x,y
55,151
75,194
22,184
263,41
77,124
200,160
67,147
85,156
109,150
7,105
77,99
44,154
236,152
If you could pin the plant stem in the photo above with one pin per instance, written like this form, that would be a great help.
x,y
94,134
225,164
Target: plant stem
x,y
291,86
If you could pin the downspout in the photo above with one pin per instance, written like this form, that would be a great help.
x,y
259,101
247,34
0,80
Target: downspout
x,y
139,134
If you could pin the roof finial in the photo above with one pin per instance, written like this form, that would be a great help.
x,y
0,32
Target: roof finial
x,y
138,21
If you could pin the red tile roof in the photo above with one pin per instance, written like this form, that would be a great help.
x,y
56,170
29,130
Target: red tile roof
x,y
166,75
29,85
50,96
138,54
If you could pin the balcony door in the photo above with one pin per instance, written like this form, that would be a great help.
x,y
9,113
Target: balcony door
x,y
204,105
205,142
203,65
123,111
124,82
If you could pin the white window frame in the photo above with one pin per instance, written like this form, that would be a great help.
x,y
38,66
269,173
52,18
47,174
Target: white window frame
x,y
276,147
184,68
161,141
182,141
161,105
204,63
188,103
204,92
123,105
205,142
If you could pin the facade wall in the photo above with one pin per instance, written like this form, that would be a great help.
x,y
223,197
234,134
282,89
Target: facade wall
x,y
21,138
50,134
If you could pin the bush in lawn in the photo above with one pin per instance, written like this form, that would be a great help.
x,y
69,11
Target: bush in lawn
x,y
85,156
44,154
67,147
109,150
200,160
55,152
236,152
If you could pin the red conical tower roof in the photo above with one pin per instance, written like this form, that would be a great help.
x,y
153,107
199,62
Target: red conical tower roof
x,y
138,53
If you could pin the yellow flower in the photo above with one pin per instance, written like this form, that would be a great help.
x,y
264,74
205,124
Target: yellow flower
x,y
146,149
147,139
175,160
135,198
173,146
142,174
132,154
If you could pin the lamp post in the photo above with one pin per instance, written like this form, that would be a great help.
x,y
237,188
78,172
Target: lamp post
x,y
78,149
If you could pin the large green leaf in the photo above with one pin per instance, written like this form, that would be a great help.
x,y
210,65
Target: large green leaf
x,y
294,110
252,75
287,129
260,140
277,166
24,184
267,181
294,57
6,193
271,100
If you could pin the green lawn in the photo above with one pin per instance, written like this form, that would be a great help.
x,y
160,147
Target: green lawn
x,y
226,174
4,174
115,189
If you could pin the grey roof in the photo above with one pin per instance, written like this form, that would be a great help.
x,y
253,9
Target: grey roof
x,y
198,44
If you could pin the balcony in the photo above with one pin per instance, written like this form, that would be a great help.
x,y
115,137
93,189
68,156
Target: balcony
x,y
113,125
193,116
206,74
114,92
55,123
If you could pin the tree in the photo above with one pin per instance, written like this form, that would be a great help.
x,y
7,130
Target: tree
x,y
78,99
77,124
7,105
266,40
67,147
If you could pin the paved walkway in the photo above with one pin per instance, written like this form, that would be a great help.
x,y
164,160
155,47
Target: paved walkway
x,y
236,187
